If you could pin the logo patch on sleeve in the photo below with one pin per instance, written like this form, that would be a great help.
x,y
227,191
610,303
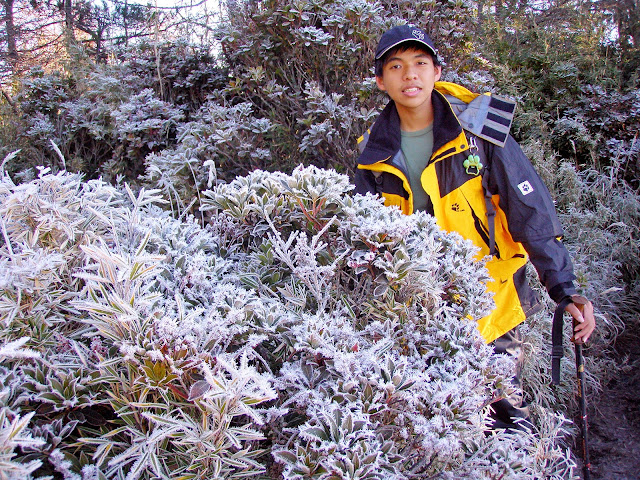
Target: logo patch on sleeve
x,y
525,187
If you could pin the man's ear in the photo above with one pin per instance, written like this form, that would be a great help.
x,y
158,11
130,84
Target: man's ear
x,y
438,72
380,83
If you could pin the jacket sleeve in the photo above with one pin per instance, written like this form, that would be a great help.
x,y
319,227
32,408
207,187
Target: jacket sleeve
x,y
531,216
553,264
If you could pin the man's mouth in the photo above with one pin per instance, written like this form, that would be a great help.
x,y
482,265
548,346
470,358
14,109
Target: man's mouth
x,y
411,89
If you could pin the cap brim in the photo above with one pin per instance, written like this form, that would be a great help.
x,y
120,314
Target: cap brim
x,y
380,55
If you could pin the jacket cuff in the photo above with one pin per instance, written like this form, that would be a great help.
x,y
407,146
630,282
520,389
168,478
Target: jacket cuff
x,y
561,290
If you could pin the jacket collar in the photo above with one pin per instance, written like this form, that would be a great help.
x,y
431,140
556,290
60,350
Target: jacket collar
x,y
385,138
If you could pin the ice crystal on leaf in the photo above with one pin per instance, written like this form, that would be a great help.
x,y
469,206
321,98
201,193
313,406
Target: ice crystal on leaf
x,y
13,350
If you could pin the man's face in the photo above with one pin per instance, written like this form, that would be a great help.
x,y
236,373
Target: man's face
x,y
408,77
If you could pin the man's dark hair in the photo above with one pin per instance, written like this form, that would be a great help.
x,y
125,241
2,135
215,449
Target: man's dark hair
x,y
403,47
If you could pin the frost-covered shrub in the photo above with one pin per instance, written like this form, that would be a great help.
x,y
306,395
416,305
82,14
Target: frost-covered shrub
x,y
613,118
222,138
78,282
43,93
14,433
143,124
607,210
70,109
106,118
382,376
303,333
178,72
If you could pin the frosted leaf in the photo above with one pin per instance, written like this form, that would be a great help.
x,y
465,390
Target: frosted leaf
x,y
14,350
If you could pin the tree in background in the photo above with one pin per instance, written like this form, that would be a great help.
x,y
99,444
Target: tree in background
x,y
28,37
571,80
77,101
47,34
626,15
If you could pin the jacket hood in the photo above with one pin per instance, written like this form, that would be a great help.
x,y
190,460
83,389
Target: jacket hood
x,y
487,116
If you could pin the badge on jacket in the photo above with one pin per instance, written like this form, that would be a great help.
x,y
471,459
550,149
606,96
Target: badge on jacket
x,y
525,188
472,165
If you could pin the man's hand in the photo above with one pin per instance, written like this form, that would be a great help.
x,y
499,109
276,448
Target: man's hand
x,y
582,312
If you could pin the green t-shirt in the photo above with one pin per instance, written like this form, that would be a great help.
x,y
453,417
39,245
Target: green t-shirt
x,y
417,148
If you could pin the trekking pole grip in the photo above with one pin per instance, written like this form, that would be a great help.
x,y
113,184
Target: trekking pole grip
x,y
557,349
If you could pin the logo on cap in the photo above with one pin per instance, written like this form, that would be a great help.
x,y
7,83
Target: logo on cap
x,y
418,34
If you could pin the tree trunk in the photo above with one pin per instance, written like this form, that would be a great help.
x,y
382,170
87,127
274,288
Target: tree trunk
x,y
68,23
11,34
630,16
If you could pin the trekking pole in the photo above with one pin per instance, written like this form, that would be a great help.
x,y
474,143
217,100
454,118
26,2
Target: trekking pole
x,y
557,352
582,402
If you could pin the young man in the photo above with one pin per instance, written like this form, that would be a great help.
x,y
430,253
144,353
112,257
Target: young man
x,y
439,148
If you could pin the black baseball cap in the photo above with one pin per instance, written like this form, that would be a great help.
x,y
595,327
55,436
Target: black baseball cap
x,y
401,34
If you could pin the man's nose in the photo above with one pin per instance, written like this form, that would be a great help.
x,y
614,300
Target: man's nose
x,y
410,73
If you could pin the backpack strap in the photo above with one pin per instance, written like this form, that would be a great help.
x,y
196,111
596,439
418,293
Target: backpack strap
x,y
488,117
483,171
491,212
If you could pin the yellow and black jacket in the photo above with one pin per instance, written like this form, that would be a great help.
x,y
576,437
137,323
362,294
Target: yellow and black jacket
x,y
503,206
